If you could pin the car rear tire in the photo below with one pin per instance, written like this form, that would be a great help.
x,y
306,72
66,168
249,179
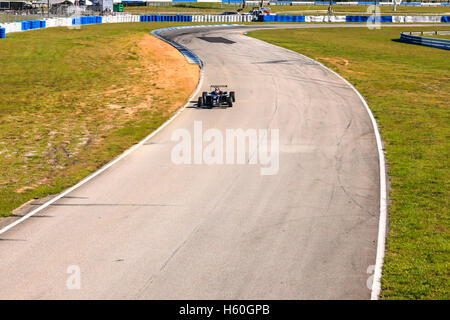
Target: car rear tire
x,y
200,102
232,95
230,101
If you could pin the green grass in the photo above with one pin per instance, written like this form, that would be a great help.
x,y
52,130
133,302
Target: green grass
x,y
70,101
408,89
213,8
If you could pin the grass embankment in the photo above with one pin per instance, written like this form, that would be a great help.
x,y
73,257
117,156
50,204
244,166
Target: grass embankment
x,y
71,100
214,8
408,89
6,17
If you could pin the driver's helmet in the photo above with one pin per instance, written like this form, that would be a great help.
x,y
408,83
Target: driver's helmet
x,y
217,91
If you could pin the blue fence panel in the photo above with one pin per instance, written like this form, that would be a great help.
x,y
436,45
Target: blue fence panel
x,y
445,19
35,24
411,4
88,20
2,33
26,25
356,18
386,19
165,18
281,18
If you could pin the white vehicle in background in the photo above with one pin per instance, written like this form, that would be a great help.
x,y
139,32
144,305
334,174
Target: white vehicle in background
x,y
260,11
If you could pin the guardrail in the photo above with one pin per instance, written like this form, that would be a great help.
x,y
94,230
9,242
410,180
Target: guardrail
x,y
281,18
69,22
164,18
219,18
87,20
33,24
289,3
429,42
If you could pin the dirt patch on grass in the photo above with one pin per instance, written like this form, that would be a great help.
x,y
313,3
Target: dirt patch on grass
x,y
95,101
343,65
336,61
175,75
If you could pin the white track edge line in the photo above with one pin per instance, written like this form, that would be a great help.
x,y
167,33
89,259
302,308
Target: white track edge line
x,y
114,161
382,223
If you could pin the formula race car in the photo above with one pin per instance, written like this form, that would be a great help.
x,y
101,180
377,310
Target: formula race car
x,y
216,97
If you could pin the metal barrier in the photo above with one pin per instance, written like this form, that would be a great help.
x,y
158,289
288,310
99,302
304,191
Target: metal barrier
x,y
87,20
384,19
429,42
165,18
67,22
281,18
33,24
220,18
285,3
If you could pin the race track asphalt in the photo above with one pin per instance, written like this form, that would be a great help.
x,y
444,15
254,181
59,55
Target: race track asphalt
x,y
148,228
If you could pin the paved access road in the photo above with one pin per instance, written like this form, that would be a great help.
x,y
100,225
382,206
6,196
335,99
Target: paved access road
x,y
149,228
